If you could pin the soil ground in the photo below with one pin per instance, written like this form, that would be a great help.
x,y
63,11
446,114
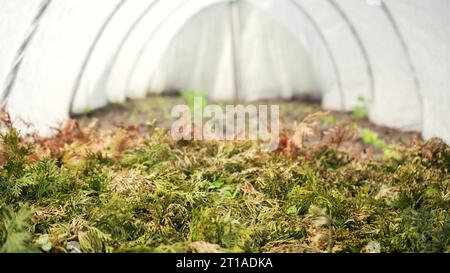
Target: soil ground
x,y
157,109
336,183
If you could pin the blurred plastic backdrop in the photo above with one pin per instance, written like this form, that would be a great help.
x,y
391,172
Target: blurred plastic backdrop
x,y
60,57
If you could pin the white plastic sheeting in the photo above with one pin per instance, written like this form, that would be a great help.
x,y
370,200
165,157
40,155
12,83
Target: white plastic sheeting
x,y
59,57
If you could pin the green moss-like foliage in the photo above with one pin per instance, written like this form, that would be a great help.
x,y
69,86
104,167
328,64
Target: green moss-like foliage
x,y
165,196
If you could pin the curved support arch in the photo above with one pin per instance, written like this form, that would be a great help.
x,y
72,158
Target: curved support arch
x,y
91,51
361,46
198,56
408,56
107,56
328,49
42,92
297,5
11,77
182,18
390,67
116,84
146,12
424,27
139,59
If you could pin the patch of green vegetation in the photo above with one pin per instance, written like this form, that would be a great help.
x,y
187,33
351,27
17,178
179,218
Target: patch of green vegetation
x,y
369,136
87,111
361,111
166,196
190,96
329,120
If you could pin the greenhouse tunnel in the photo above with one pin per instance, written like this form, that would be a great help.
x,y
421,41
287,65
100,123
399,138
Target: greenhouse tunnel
x,y
59,58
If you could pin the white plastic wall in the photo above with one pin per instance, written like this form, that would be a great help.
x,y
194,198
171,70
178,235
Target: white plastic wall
x,y
72,56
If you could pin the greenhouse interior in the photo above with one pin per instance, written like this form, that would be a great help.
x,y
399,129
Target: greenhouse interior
x,y
225,126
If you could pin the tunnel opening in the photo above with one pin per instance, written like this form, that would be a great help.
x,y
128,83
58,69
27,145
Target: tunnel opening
x,y
268,62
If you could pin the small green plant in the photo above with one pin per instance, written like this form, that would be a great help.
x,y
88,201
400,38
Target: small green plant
x,y
307,110
329,120
361,111
87,111
371,137
390,152
190,97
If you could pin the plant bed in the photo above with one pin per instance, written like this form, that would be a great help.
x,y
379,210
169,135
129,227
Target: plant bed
x,y
127,186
